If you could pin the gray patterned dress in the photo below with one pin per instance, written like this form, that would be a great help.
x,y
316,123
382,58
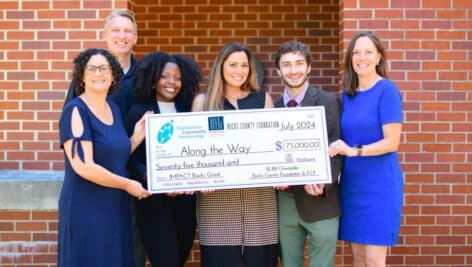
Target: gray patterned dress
x,y
239,217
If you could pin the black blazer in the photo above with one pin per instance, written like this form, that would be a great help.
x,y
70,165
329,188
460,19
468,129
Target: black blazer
x,y
137,160
311,208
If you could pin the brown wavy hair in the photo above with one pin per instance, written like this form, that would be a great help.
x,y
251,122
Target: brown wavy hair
x,y
350,79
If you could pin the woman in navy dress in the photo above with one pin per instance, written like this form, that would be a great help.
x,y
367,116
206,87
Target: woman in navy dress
x,y
372,180
94,215
164,84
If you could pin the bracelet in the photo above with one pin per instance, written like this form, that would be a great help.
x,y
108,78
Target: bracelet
x,y
359,150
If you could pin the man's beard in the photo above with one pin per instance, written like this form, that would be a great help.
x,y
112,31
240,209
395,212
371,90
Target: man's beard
x,y
289,85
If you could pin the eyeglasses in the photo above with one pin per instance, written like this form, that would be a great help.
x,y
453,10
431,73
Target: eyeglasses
x,y
103,69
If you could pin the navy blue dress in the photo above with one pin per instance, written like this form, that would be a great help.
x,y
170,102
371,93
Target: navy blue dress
x,y
371,187
94,221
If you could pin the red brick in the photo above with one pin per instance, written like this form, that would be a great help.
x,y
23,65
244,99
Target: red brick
x,y
451,55
461,4
15,258
450,178
41,237
45,215
450,220
450,260
30,226
19,35
435,230
466,209
465,250
6,226
50,156
462,189
14,215
24,75
461,85
435,4
421,137
5,125
6,237
461,24
45,258
374,4
456,75
462,230
419,220
23,115
438,45
415,199
8,25
405,4
462,127
419,157
450,240
67,24
98,4
8,165
37,165
20,155
51,14
36,145
447,157
436,188
419,260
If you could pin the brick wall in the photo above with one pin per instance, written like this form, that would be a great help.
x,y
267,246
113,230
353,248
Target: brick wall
x,y
430,48
28,238
41,38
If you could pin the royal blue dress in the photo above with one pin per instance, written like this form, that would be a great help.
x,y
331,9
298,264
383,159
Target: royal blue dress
x,y
371,186
94,221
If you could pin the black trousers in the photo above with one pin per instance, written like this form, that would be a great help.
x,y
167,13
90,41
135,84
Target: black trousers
x,y
167,226
238,256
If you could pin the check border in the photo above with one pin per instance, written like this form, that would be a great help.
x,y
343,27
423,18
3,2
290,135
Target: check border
x,y
236,149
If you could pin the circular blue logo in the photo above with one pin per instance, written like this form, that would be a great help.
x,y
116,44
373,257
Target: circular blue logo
x,y
165,133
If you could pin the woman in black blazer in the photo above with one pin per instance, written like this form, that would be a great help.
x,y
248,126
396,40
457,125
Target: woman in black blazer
x,y
164,84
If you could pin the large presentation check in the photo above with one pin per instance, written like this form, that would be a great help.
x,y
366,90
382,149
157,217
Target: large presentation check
x,y
236,149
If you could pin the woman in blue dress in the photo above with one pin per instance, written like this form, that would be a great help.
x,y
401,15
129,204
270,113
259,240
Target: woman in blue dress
x,y
371,181
94,215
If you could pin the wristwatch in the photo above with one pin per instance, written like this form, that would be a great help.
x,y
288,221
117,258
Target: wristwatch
x,y
359,150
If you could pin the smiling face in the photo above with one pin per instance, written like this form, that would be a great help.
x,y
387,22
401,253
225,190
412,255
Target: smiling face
x,y
120,36
365,57
98,74
169,84
294,70
236,70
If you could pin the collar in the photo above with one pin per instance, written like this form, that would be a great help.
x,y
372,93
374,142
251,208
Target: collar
x,y
299,97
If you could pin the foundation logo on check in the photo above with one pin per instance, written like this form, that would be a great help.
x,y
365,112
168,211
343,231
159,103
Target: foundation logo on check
x,y
216,123
165,133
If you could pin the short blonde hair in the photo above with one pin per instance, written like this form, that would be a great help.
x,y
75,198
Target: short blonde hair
x,y
121,13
